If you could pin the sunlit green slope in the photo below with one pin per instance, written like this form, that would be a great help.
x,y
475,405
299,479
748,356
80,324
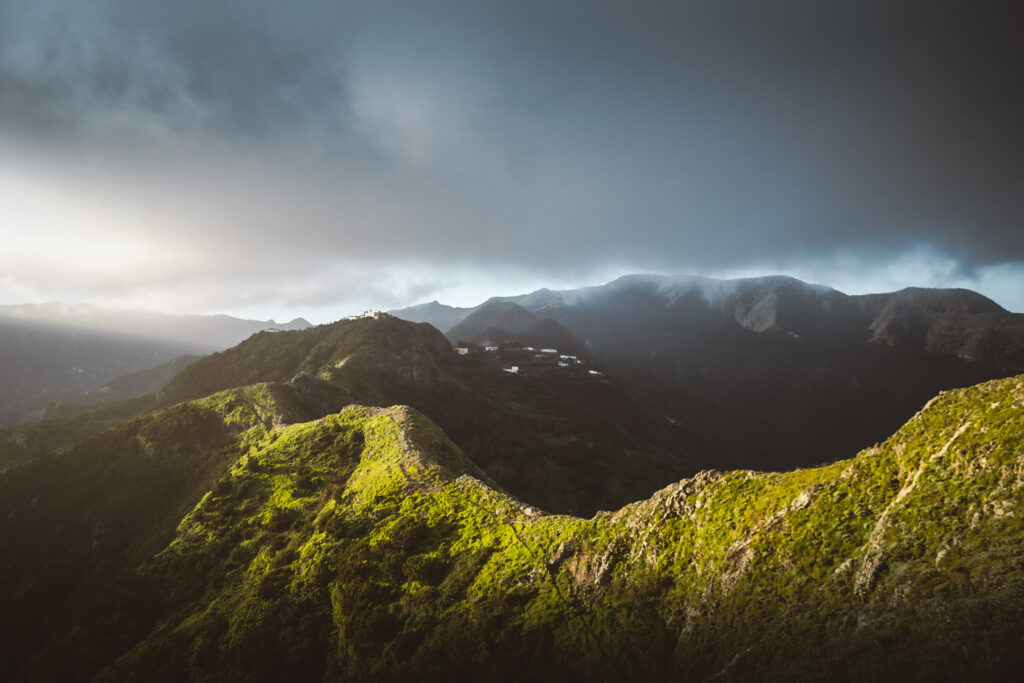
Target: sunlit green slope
x,y
364,546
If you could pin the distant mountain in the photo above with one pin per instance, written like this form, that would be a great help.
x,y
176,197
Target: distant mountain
x,y
205,331
440,316
946,321
249,535
501,315
51,351
796,373
503,322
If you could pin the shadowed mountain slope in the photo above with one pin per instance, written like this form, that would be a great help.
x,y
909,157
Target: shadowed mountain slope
x,y
501,322
797,373
502,315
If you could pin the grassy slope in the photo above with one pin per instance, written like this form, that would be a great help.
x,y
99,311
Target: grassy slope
x,y
364,545
566,444
72,525
264,357
25,441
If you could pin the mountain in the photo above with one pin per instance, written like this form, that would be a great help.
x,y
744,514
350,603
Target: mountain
x,y
247,536
501,315
53,351
950,321
555,435
502,322
794,373
558,433
439,315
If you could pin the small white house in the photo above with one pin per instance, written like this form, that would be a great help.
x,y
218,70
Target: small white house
x,y
513,370
566,356
461,350
549,350
595,373
562,364
491,349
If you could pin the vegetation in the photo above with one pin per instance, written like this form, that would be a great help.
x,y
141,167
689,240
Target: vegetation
x,y
562,443
71,423
232,537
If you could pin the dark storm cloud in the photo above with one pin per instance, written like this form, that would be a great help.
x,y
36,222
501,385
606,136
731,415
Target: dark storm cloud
x,y
549,135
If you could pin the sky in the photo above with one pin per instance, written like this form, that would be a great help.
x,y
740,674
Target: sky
x,y
318,157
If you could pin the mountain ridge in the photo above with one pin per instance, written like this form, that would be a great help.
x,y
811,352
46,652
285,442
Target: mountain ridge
x,y
578,429
363,544
711,290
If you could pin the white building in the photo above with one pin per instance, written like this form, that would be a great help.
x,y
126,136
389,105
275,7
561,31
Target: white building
x,y
513,370
461,350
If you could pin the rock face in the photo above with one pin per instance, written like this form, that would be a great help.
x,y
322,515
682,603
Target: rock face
x,y
240,536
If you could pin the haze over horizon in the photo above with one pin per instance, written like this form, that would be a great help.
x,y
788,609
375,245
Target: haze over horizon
x,y
318,158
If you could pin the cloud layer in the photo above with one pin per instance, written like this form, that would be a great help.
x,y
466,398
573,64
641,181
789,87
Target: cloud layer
x,y
317,154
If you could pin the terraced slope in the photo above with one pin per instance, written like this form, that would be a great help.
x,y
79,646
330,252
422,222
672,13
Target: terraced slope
x,y
365,546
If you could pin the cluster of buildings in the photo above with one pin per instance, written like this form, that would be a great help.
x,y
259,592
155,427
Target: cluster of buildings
x,y
528,356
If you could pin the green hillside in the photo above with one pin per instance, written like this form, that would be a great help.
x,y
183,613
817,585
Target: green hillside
x,y
234,538
562,440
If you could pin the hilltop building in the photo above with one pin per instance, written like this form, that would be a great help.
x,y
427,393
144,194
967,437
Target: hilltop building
x,y
369,313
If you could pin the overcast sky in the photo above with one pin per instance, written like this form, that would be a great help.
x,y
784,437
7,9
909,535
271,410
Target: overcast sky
x,y
318,157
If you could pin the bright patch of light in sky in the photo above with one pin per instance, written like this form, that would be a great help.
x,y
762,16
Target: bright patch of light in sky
x,y
80,242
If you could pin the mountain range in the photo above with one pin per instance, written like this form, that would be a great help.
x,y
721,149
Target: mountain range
x,y
810,373
601,484
250,535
